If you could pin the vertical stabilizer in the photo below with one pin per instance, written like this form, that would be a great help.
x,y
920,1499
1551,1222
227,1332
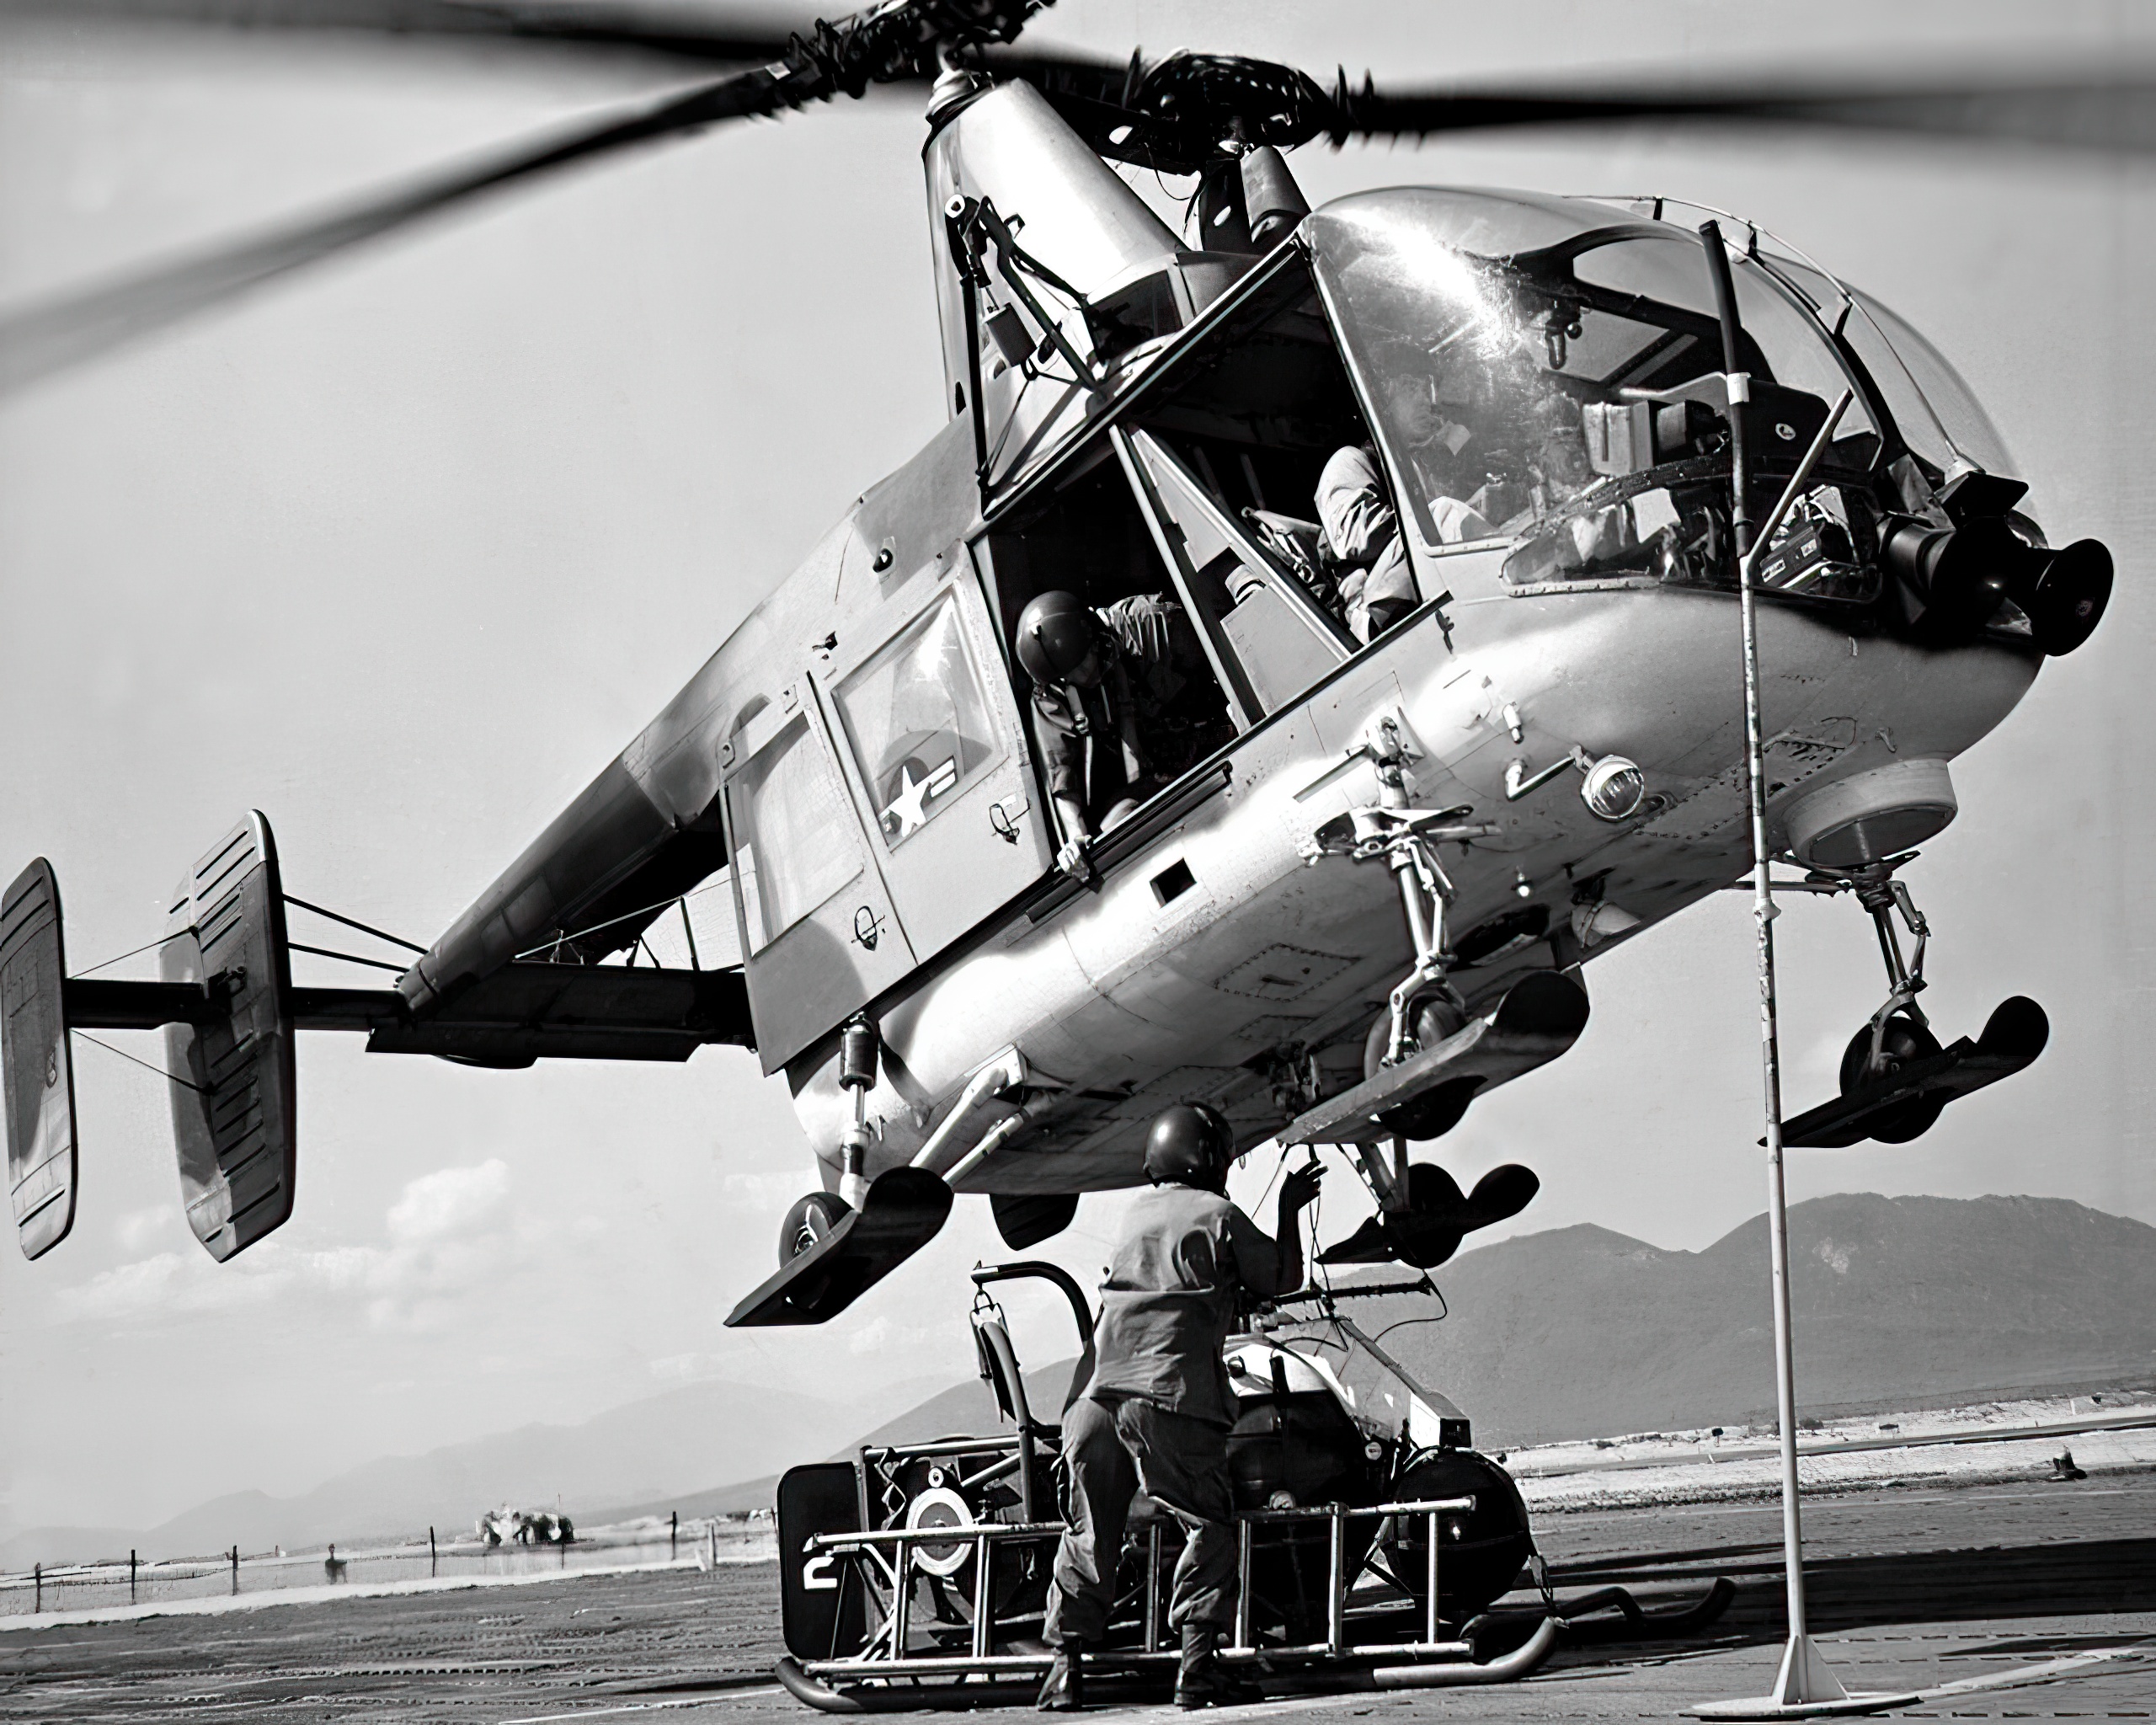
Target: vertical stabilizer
x,y
39,1079
234,1110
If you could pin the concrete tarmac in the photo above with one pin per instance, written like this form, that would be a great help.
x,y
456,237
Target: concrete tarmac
x,y
1910,1589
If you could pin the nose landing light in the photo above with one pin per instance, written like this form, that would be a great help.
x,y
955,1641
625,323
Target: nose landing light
x,y
1614,788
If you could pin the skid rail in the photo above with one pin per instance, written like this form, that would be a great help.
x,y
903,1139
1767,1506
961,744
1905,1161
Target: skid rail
x,y
886,1560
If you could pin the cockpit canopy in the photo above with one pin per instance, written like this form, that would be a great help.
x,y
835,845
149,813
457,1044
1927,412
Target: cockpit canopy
x,y
1531,361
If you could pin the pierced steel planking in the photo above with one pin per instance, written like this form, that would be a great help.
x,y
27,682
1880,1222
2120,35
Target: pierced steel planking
x,y
234,1099
40,1077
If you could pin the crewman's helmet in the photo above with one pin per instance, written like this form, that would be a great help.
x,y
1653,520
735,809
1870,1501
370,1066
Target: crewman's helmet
x,y
1191,1145
1055,633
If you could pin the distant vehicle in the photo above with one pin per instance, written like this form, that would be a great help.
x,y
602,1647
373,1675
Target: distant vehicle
x,y
509,1526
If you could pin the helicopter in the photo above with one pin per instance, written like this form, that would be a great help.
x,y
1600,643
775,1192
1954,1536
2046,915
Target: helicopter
x,y
1372,901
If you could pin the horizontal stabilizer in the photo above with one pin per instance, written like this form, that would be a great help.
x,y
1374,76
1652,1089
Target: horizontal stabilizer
x,y
231,1069
527,1012
904,1210
39,1079
1540,1017
2014,1036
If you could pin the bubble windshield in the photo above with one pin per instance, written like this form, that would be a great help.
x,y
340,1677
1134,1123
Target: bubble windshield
x,y
1524,355
1936,412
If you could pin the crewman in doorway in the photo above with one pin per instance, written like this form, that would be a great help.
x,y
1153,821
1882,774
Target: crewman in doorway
x,y
1119,699
1362,531
1155,1415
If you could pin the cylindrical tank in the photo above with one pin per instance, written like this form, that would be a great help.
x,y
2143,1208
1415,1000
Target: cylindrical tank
x,y
1480,1552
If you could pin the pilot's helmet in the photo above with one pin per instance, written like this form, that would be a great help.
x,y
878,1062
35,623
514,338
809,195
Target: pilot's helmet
x,y
1055,633
1191,1145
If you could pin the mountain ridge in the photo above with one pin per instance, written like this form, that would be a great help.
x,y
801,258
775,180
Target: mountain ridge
x,y
1573,1331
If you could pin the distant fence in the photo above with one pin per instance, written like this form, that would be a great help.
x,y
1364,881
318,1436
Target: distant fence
x,y
136,1580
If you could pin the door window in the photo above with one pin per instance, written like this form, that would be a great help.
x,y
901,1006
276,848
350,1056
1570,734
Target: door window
x,y
918,723
792,835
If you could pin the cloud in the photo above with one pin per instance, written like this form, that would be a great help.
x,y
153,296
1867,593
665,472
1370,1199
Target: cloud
x,y
768,1189
139,1228
880,1334
450,1233
451,1202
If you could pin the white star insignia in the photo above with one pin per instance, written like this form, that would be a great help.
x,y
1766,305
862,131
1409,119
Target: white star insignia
x,y
908,810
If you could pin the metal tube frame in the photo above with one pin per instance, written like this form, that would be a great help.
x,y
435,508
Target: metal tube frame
x,y
889,1552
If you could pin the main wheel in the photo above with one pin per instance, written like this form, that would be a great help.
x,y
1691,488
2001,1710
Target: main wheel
x,y
810,1221
1430,1018
1902,1040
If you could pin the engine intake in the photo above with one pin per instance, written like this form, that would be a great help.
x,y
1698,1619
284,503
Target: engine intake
x,y
1953,580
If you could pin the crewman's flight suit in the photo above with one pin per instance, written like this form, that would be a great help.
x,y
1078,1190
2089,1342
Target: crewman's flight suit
x,y
1364,533
1107,744
1157,1414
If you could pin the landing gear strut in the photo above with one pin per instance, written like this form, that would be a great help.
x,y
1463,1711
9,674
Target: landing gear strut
x,y
1898,1033
1896,1079
1422,1212
834,1246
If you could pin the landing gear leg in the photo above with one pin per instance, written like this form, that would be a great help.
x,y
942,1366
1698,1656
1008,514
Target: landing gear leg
x,y
1895,1078
1389,1185
859,1047
1898,1033
1426,893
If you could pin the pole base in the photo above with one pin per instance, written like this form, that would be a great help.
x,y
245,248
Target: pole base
x,y
1806,1688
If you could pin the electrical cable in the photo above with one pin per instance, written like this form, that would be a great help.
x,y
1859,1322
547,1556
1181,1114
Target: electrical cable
x,y
395,940
1444,1312
144,1065
147,946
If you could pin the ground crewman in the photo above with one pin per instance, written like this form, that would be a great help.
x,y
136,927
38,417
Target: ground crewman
x,y
1155,1415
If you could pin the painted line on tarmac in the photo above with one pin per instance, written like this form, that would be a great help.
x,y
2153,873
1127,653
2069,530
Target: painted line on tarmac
x,y
766,1692
2051,1671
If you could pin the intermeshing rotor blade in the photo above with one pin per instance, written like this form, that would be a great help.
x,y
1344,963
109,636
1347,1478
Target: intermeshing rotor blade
x,y
44,339
744,36
2112,112
891,42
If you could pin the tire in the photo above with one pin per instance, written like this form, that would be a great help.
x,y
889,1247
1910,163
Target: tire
x,y
1902,1041
810,1221
1430,1018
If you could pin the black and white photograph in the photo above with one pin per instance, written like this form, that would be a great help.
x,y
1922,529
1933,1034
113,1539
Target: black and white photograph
x,y
1081,856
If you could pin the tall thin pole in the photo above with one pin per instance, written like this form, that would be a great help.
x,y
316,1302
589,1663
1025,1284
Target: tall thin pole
x,y
1770,1075
1762,919
1805,1681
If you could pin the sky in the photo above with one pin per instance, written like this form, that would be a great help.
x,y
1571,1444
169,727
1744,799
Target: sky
x,y
403,550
